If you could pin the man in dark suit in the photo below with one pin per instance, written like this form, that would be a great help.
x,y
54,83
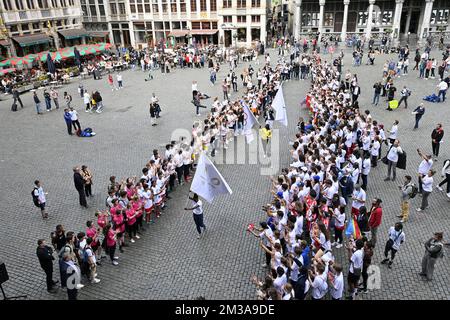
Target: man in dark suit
x,y
79,185
45,256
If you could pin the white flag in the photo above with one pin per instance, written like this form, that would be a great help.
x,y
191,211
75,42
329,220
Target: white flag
x,y
280,107
249,122
208,182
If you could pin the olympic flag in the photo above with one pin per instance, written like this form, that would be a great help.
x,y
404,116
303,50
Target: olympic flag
x,y
208,182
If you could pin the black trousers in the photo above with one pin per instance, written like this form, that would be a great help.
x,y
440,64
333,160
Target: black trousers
x,y
49,276
198,219
111,251
72,294
82,197
20,101
88,190
76,124
446,181
388,249
365,275
179,171
435,147
403,98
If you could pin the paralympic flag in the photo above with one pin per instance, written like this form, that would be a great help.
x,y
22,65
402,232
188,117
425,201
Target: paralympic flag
x,y
250,121
353,229
208,182
279,106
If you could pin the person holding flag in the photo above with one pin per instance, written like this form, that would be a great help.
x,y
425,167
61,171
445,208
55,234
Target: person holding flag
x,y
197,210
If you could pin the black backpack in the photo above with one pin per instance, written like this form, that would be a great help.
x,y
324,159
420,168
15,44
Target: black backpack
x,y
414,191
35,198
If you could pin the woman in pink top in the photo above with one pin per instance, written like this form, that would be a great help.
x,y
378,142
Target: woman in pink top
x,y
111,82
111,236
119,227
94,233
131,222
138,207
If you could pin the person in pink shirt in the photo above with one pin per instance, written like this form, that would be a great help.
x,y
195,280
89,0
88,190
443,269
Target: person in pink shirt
x,y
111,239
94,233
131,222
111,82
138,206
102,218
119,227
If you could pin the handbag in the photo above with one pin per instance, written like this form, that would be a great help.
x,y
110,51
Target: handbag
x,y
385,159
401,163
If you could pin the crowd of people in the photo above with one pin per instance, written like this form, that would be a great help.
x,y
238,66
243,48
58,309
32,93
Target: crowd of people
x,y
322,195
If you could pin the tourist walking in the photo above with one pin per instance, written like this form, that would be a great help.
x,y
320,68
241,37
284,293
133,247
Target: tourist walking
x,y
119,80
418,112
434,249
407,190
427,188
39,199
54,95
68,120
16,97
436,138
87,101
396,239
392,159
445,173
67,99
37,102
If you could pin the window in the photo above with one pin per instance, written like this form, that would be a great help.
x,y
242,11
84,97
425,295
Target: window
x,y
183,5
193,5
242,34
241,19
214,25
387,18
173,6
147,7
227,19
113,7
122,8
43,4
164,6
256,3
19,4
362,18
84,9
328,20
226,4
30,4
206,25
310,19
155,8
93,10
133,8
202,5
256,18
36,26
195,25
140,8
7,4
25,27
241,3
101,9
439,16
213,5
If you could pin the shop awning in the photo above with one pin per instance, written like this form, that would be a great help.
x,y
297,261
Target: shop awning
x,y
98,34
204,32
179,33
32,39
73,33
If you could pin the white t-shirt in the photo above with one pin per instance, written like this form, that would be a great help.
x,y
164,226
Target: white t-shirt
x,y
425,166
393,153
397,237
39,193
319,286
198,210
366,166
427,183
361,195
393,132
337,288
279,283
357,260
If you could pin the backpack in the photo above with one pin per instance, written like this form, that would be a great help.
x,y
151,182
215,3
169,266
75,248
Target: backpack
x,y
63,249
35,198
414,191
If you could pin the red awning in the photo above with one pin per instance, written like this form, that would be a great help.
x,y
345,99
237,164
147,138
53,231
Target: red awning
x,y
178,33
204,32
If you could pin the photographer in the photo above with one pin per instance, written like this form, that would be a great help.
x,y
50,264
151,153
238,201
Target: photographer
x,y
45,256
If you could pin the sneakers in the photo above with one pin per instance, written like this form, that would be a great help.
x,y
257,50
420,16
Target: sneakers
x,y
95,280
116,258
79,286
339,245
137,237
199,236
115,263
132,241
52,290
419,210
264,265
384,261
440,188
387,179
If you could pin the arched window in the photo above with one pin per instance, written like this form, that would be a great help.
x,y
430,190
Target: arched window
x,y
7,4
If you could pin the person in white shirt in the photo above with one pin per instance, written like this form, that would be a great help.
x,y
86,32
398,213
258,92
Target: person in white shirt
x,y
280,281
375,150
87,101
336,280
119,80
359,199
39,198
392,158
445,173
424,167
197,210
318,282
443,87
396,238
366,165
356,264
427,188
393,133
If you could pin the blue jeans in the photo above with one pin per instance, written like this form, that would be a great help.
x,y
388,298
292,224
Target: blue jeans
x,y
198,219
48,104
443,93
38,107
417,122
376,99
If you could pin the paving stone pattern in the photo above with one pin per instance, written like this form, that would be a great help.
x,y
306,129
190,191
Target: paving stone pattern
x,y
168,262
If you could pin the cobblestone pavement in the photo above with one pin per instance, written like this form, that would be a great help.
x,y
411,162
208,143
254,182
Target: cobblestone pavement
x,y
169,262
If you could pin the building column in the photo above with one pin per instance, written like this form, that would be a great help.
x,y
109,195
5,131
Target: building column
x,y
132,35
249,31
369,19
344,21
321,14
263,35
297,24
424,28
396,24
